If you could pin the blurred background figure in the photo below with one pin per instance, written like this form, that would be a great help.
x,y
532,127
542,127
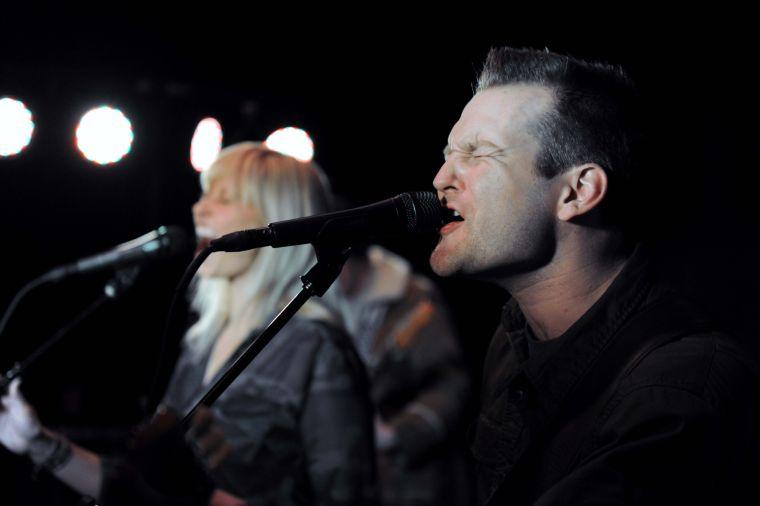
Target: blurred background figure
x,y
418,380
294,428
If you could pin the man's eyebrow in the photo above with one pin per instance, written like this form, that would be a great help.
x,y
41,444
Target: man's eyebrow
x,y
488,144
472,144
466,145
479,141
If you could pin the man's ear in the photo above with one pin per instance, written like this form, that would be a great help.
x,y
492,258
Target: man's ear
x,y
583,188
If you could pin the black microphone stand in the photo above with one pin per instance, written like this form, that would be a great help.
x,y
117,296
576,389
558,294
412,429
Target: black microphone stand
x,y
121,281
332,253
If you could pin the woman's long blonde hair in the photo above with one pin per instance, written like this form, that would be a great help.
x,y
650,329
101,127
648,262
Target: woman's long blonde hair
x,y
281,188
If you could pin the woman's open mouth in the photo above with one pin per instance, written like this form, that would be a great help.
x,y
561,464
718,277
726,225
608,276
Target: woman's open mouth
x,y
203,239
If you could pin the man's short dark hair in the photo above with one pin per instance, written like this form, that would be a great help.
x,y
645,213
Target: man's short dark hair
x,y
595,118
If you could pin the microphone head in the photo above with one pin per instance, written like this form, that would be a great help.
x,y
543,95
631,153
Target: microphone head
x,y
423,211
173,239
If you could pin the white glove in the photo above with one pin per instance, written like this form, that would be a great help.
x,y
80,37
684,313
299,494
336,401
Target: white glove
x,y
18,421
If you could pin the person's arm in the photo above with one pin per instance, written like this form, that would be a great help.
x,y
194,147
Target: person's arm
x,y
429,362
431,416
82,470
337,430
22,434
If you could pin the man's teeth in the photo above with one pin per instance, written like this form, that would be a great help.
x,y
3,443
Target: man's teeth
x,y
452,215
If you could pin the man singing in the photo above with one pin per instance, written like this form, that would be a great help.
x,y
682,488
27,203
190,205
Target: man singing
x,y
601,385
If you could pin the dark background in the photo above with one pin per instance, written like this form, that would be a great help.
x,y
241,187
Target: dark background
x,y
378,93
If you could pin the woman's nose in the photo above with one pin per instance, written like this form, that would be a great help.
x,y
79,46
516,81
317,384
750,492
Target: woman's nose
x,y
200,208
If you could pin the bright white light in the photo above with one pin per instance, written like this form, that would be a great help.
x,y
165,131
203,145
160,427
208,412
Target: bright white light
x,y
293,142
104,135
206,144
16,126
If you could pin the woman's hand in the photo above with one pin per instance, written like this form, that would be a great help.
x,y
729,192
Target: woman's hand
x,y
18,421
222,498
207,439
385,436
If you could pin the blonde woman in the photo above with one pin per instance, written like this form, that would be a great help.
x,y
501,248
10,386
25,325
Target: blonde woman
x,y
295,427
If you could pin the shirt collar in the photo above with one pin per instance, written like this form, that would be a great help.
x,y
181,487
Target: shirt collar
x,y
555,376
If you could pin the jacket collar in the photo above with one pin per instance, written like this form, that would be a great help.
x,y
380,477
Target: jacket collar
x,y
389,276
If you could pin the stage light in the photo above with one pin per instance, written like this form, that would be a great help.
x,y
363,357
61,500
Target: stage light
x,y
293,142
16,126
104,135
206,144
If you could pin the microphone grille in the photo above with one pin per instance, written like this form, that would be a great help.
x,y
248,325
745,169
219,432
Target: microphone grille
x,y
173,239
423,211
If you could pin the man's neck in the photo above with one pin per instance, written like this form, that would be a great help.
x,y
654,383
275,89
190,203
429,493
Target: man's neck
x,y
557,296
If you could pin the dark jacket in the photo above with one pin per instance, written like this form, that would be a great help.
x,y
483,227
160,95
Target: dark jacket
x,y
298,419
419,384
419,387
641,401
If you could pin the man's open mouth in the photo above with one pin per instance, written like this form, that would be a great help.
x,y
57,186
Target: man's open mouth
x,y
450,215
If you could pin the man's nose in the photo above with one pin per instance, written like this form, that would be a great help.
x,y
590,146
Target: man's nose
x,y
445,179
